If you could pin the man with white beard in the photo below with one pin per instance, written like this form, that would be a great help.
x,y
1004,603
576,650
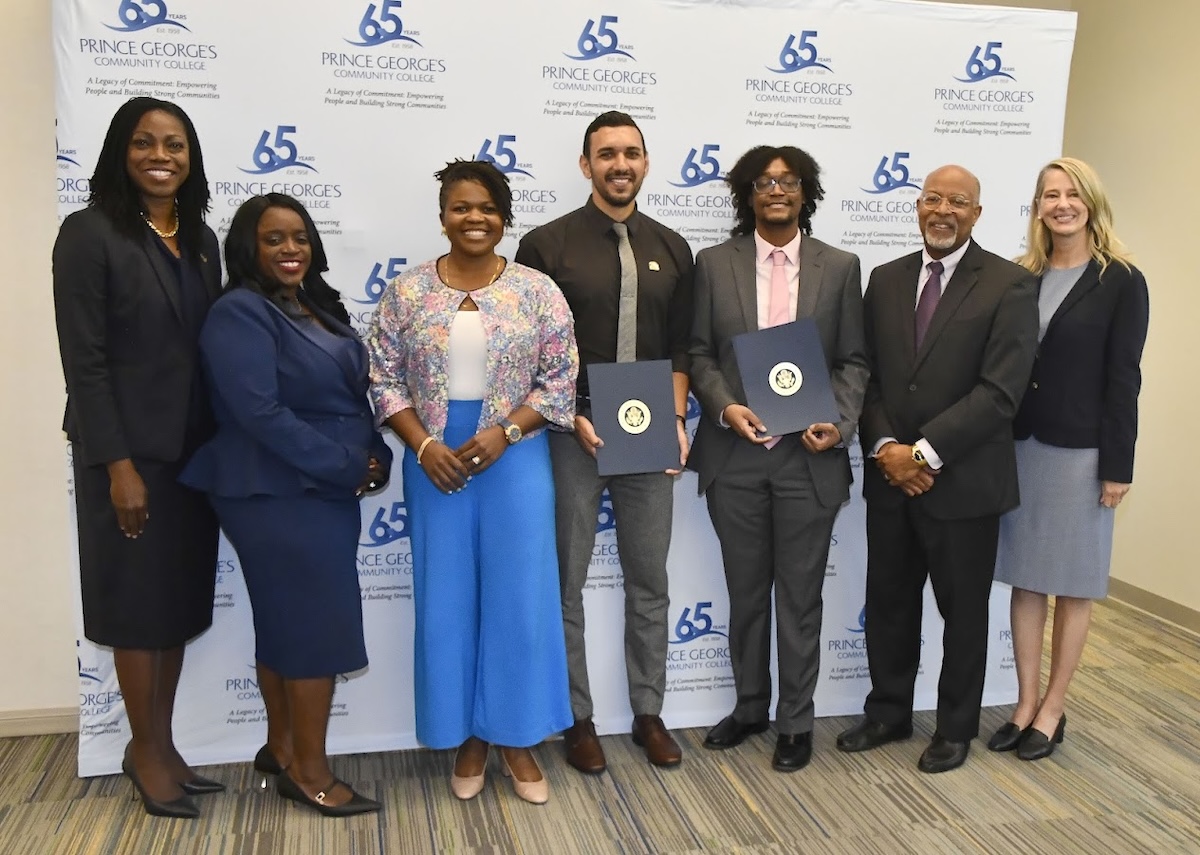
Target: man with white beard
x,y
950,336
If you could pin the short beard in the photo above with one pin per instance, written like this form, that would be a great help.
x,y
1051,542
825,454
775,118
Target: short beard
x,y
941,243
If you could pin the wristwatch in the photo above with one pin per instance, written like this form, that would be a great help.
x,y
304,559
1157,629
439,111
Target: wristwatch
x,y
512,432
918,457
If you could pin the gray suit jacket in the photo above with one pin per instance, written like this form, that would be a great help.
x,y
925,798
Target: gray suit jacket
x,y
726,305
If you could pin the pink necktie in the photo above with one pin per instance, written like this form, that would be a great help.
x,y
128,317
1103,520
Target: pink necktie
x,y
778,309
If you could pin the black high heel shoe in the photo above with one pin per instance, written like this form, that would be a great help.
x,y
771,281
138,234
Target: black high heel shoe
x,y
1035,745
201,786
266,764
180,808
1007,738
289,789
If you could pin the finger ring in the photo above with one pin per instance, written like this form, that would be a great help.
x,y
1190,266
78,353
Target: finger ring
x,y
476,460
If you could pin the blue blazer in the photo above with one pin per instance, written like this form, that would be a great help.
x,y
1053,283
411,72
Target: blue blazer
x,y
290,403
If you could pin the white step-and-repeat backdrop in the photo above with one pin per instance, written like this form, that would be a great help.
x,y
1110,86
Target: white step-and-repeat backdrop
x,y
352,106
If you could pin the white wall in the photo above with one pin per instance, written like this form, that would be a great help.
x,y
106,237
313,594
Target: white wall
x,y
37,637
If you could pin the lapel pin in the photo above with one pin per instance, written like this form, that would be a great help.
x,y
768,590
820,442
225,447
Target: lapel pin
x,y
653,265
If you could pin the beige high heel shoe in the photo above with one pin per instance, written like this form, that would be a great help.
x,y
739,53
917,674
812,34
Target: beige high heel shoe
x,y
468,787
534,792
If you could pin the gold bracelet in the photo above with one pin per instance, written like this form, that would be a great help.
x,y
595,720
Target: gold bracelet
x,y
424,443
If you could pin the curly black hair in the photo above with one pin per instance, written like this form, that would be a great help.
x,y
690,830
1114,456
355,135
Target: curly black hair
x,y
482,172
114,193
754,163
241,255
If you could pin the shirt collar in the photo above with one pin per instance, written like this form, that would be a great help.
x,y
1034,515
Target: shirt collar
x,y
764,248
603,222
949,262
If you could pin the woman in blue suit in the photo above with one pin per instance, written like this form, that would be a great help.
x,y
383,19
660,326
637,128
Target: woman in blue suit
x,y
295,448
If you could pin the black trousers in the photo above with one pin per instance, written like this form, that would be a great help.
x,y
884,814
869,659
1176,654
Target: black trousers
x,y
904,547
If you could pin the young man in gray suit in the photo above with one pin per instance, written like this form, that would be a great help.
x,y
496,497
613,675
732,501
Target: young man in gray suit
x,y
773,500
951,332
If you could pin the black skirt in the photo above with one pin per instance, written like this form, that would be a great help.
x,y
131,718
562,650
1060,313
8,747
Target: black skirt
x,y
156,591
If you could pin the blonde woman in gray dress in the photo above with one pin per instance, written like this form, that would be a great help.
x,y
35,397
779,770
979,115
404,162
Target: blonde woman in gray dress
x,y
1076,430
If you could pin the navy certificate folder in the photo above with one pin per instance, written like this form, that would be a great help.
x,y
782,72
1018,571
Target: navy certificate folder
x,y
785,376
633,411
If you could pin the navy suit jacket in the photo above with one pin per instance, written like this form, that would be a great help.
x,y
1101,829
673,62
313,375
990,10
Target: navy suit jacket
x,y
292,412
1084,388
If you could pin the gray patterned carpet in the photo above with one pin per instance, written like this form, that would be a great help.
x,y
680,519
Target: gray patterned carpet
x,y
1127,780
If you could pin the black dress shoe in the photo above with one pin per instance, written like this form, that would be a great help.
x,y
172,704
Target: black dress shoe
x,y
1037,745
180,808
868,734
792,752
289,789
942,755
729,732
265,762
1007,737
201,786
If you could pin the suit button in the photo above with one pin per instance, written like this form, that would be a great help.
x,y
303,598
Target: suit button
x,y
1035,384
912,388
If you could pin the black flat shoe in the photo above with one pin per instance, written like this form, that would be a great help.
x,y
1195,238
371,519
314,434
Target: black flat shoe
x,y
943,754
1007,738
1036,745
792,752
265,762
180,808
729,732
289,789
201,786
868,734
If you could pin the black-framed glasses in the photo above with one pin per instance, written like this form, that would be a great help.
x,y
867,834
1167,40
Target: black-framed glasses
x,y
787,183
933,201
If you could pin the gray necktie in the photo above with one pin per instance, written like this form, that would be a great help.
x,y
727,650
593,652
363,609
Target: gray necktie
x,y
627,310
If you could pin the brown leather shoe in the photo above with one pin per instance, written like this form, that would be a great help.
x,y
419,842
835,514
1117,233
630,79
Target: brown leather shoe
x,y
583,747
661,748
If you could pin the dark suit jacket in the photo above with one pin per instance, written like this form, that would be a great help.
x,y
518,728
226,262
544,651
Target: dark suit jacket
x,y
292,411
962,389
726,305
1084,388
128,364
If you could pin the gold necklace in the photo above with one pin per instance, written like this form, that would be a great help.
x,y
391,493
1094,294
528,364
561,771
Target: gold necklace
x,y
495,274
160,232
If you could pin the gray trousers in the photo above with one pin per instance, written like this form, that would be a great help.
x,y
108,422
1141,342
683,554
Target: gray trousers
x,y
642,505
774,533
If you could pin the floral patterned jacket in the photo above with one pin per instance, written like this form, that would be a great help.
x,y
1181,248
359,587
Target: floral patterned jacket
x,y
532,358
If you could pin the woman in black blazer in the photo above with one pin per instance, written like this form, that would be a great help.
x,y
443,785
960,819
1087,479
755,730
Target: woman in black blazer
x,y
134,275
1075,432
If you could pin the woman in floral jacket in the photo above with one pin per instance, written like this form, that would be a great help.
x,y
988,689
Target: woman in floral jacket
x,y
471,357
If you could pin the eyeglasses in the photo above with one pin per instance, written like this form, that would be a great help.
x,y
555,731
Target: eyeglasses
x,y
788,184
933,201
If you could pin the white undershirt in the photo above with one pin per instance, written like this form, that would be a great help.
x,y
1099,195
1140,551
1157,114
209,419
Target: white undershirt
x,y
467,358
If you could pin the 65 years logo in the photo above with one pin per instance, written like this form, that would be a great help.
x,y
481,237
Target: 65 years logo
x,y
598,40
380,25
695,623
700,167
984,63
799,53
389,525
501,154
281,153
893,176
135,16
382,273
